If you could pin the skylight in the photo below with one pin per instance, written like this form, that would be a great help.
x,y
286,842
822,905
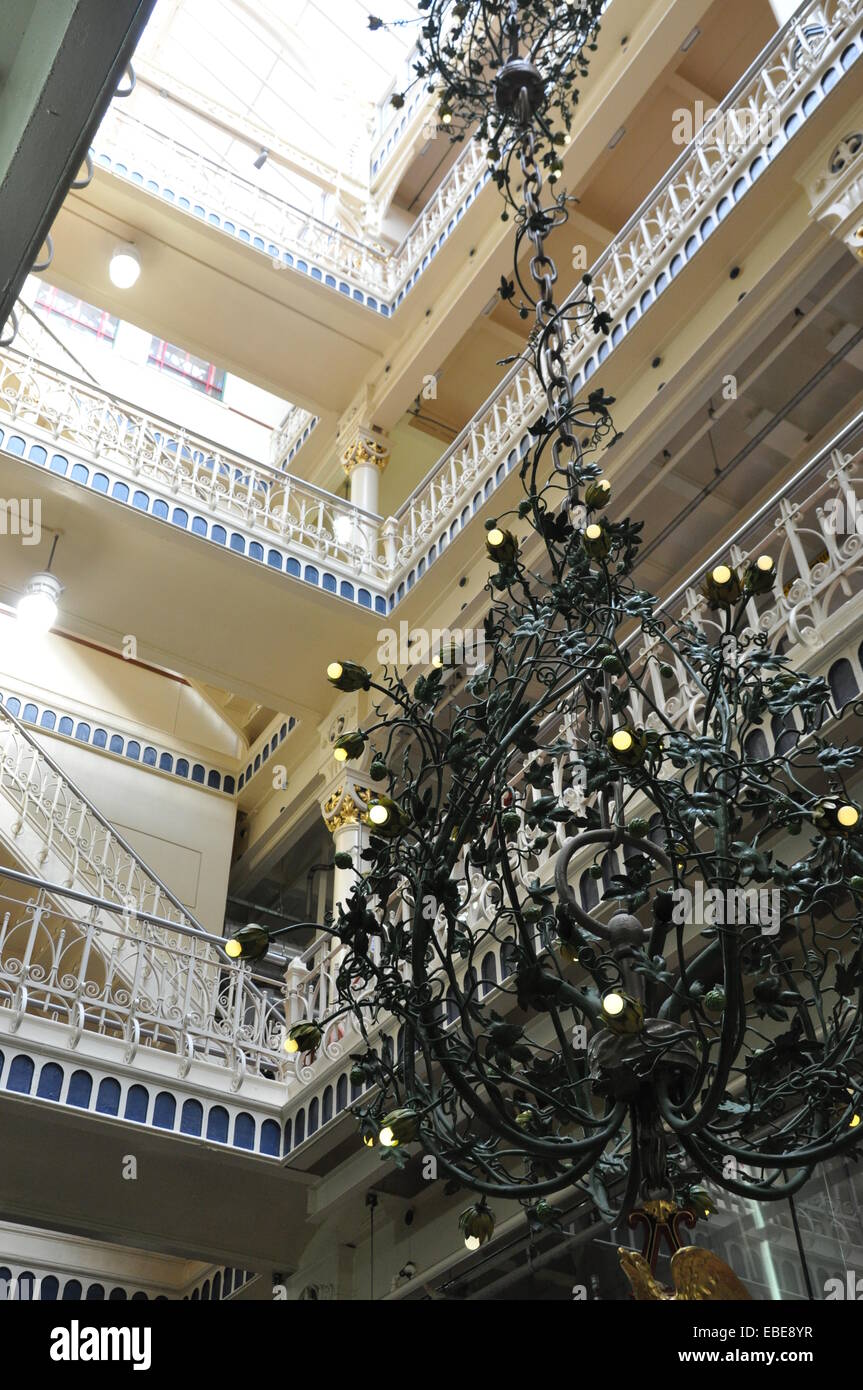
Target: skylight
x,y
306,75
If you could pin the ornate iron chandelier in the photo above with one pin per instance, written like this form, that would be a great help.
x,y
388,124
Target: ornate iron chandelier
x,y
710,1026
497,69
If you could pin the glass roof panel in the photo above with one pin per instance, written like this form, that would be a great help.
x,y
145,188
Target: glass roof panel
x,y
307,74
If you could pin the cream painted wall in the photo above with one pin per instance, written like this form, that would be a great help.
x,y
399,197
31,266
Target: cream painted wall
x,y
181,831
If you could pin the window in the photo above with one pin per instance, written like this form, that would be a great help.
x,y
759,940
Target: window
x,y
77,312
203,376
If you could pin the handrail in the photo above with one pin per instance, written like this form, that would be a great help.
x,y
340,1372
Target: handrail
x,y
837,441
104,905
194,440
97,815
702,138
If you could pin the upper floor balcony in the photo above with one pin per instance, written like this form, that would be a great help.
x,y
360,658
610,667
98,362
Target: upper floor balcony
x,y
151,465
369,273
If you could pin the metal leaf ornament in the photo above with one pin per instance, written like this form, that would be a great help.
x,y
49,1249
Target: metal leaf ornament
x,y
546,1039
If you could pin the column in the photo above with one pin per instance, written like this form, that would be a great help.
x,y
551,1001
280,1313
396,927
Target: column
x,y
343,810
364,456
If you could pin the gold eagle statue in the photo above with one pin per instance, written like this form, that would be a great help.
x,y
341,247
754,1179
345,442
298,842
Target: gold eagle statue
x,y
697,1274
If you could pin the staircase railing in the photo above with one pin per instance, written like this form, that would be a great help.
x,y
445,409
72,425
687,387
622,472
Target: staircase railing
x,y
68,825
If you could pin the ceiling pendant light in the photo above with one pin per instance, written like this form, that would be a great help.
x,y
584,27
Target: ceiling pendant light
x,y
125,265
37,607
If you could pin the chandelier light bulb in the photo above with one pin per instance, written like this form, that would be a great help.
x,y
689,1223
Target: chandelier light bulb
x,y
848,816
378,815
37,608
340,755
593,532
387,1138
721,575
613,1004
125,265
622,740
233,948
472,1242
495,537
764,563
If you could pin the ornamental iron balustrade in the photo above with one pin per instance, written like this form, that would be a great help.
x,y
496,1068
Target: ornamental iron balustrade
x,y
699,189
168,169
290,435
143,981
136,445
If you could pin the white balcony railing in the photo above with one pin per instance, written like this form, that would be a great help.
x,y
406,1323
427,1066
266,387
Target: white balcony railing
x,y
167,168
750,126
291,434
61,411
139,980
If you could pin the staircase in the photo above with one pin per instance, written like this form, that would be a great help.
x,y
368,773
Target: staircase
x,y
51,827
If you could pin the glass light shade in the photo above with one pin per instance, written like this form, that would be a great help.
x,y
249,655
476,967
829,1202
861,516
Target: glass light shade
x,y
125,265
37,607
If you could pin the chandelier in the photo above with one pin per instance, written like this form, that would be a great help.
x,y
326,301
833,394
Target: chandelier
x,y
497,69
699,1021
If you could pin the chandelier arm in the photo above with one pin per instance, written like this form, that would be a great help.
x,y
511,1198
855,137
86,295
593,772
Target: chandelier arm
x,y
759,1192
810,1153
515,1190
613,838
545,1148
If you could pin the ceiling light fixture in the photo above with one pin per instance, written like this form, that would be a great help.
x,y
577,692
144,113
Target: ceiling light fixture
x,y
125,265
37,608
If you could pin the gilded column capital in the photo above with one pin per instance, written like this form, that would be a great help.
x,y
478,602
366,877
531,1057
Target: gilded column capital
x,y
364,449
345,805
